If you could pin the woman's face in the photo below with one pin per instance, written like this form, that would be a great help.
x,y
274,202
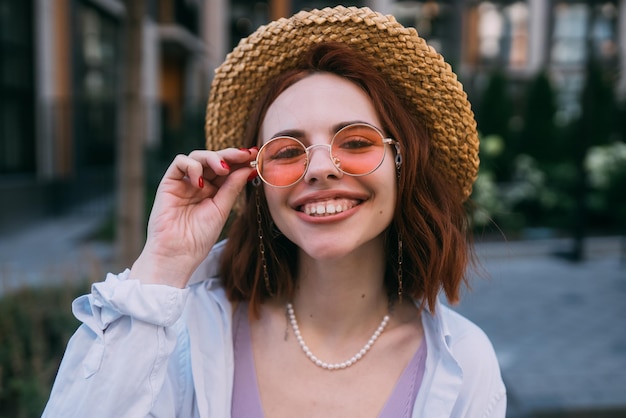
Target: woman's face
x,y
357,210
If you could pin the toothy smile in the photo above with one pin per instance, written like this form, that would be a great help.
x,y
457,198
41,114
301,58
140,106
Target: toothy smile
x,y
328,207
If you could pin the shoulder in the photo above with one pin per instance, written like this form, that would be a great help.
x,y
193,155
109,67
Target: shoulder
x,y
475,354
465,338
450,332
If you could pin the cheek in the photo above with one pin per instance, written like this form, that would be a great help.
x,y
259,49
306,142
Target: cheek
x,y
388,203
388,178
388,188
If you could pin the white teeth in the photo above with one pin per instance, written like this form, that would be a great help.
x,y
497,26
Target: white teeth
x,y
328,207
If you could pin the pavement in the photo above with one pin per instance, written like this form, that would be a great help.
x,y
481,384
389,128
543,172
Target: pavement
x,y
57,250
558,327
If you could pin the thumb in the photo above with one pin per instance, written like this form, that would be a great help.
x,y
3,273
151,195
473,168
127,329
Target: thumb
x,y
226,195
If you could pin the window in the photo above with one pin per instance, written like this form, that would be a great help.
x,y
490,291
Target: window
x,y
96,85
431,19
17,140
497,35
580,32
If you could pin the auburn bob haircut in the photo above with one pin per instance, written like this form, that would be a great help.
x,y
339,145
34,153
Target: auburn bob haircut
x,y
429,216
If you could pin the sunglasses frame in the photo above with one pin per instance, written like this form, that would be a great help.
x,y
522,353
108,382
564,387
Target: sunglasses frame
x,y
307,150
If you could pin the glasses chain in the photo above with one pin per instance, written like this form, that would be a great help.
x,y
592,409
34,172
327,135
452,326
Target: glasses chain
x,y
400,291
398,159
266,277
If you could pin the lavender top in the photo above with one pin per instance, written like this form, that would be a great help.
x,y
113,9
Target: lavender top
x,y
246,397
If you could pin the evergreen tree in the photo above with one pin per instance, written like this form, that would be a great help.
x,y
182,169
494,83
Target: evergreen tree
x,y
598,110
495,110
594,127
493,118
538,137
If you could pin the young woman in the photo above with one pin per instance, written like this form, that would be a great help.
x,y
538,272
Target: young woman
x,y
356,149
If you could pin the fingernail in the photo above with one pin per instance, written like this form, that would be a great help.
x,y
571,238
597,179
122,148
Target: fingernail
x,y
201,182
253,175
245,149
255,148
224,165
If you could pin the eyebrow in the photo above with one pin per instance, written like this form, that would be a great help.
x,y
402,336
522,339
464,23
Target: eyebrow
x,y
299,134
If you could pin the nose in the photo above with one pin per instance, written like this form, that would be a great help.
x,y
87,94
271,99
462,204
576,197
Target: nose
x,y
320,165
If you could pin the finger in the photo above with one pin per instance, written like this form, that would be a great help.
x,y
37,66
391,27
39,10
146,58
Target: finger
x,y
223,161
232,185
202,167
217,165
183,167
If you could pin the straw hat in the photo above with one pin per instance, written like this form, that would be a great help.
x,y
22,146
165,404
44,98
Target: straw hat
x,y
420,77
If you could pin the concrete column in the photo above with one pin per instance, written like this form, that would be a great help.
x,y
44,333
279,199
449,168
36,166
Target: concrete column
x,y
215,34
538,34
382,6
150,82
55,143
44,87
279,8
621,36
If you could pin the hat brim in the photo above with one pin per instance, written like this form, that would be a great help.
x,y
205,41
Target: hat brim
x,y
415,72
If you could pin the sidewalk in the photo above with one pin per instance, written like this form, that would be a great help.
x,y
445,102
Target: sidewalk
x,y
557,327
56,250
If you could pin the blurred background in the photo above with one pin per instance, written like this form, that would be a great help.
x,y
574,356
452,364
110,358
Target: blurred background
x,y
98,96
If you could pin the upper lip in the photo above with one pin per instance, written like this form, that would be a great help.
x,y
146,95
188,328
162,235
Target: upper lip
x,y
325,195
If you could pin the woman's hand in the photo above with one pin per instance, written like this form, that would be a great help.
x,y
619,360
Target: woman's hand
x,y
191,206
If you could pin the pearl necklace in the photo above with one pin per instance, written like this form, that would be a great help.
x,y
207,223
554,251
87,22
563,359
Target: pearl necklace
x,y
333,366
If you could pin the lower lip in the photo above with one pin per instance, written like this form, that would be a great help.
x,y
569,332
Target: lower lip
x,y
328,218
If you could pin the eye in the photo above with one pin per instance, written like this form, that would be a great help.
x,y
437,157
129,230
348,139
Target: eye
x,y
357,138
284,149
288,152
355,142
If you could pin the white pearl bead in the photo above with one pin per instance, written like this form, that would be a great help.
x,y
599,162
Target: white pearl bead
x,y
333,366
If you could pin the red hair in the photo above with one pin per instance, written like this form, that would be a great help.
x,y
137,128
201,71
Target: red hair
x,y
429,216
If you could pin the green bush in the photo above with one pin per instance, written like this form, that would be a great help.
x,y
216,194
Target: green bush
x,y
35,325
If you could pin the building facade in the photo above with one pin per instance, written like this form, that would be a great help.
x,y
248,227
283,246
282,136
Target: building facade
x,y
62,73
61,88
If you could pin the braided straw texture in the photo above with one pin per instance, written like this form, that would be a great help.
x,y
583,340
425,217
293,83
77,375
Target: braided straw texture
x,y
414,71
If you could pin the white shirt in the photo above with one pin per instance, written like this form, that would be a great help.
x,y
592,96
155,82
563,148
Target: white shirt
x,y
160,351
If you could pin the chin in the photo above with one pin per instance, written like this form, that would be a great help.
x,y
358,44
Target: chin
x,y
331,249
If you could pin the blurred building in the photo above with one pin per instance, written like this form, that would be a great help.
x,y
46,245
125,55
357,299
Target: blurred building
x,y
61,72
61,88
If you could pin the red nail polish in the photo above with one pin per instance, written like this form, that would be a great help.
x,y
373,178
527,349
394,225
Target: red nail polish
x,y
245,149
255,148
224,165
253,175
201,182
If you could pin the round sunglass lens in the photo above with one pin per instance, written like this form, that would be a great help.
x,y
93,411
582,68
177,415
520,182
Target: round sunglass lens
x,y
282,161
358,149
